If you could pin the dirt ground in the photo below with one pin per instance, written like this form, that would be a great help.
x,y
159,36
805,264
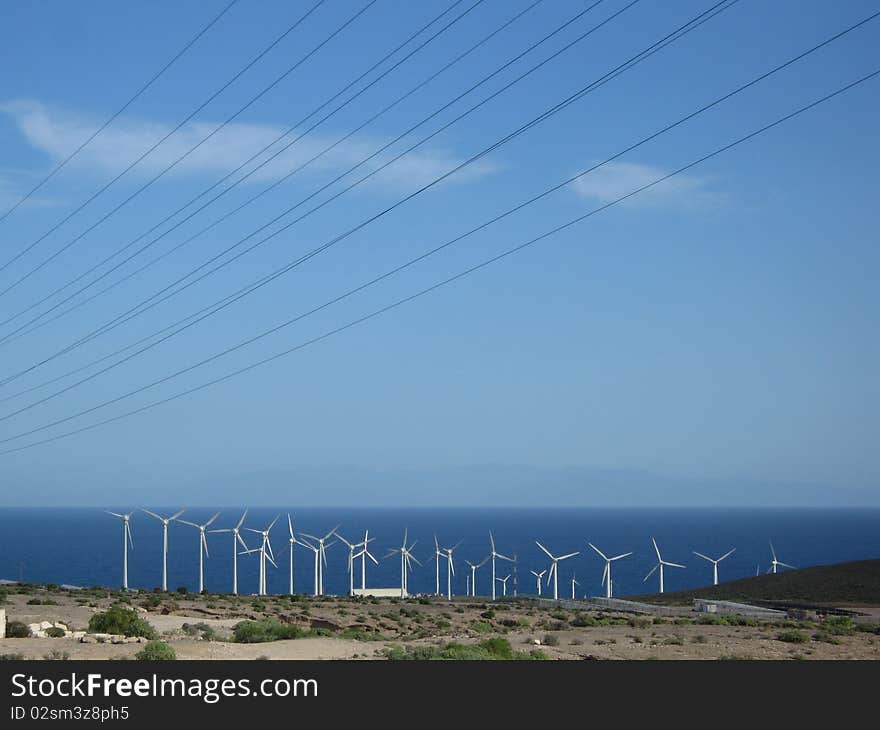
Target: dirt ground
x,y
364,628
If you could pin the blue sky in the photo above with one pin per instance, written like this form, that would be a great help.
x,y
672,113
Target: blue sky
x,y
722,326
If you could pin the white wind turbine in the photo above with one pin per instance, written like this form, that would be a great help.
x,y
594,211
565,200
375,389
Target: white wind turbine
x,y
661,563
495,554
265,551
554,568
165,522
406,557
473,576
437,554
236,540
774,563
126,541
574,582
350,566
715,563
363,555
450,568
291,541
606,574
203,547
503,582
538,577
322,550
314,549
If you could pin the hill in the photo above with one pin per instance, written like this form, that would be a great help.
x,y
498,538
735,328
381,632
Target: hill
x,y
856,583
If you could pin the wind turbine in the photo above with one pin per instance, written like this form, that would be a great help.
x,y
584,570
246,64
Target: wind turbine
x,y
606,574
349,568
265,545
714,563
495,554
322,549
574,582
405,565
126,541
538,577
165,521
363,555
203,547
554,568
775,562
437,555
236,540
292,541
314,549
450,568
473,576
503,582
660,564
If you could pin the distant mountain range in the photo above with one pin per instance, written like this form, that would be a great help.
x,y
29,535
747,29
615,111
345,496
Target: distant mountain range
x,y
476,486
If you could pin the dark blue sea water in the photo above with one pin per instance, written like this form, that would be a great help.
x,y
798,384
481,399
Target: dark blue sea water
x,y
84,546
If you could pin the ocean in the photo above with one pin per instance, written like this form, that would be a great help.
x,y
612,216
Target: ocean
x,y
84,546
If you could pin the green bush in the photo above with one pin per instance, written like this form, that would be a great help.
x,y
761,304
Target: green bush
x,y
53,632
202,630
488,650
481,627
551,640
839,625
269,629
11,657
792,637
156,651
56,655
121,620
17,630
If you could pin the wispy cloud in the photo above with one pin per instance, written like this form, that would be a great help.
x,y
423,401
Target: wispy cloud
x,y
56,134
616,179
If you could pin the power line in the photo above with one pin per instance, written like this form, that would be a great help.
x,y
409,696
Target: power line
x,y
12,335
265,280
460,275
497,218
510,211
119,111
143,156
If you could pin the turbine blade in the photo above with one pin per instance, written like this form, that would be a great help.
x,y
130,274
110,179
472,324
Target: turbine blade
x,y
772,550
269,545
604,557
674,565
656,549
651,572
727,554
272,523
241,540
175,515
605,573
153,514
371,557
290,524
329,534
205,544
622,555
492,541
566,557
549,554
115,514
128,532
187,522
786,565
241,521
212,519
704,557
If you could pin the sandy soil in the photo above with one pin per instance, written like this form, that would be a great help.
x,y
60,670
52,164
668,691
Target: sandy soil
x,y
411,623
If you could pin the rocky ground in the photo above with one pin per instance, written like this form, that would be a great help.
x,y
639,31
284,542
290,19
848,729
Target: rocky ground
x,y
201,627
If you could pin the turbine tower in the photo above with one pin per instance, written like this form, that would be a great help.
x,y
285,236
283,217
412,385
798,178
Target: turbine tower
x,y
203,547
661,563
406,557
538,577
322,550
265,551
291,541
495,554
165,521
774,563
450,568
437,554
574,582
363,555
236,540
473,576
606,574
349,566
126,541
554,568
314,549
714,563
503,582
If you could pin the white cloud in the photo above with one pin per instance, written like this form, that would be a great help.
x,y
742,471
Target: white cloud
x,y
616,179
57,134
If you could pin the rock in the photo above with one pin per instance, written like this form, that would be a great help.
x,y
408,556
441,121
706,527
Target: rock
x,y
536,642
59,625
87,639
77,634
140,609
34,628
39,634
45,625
